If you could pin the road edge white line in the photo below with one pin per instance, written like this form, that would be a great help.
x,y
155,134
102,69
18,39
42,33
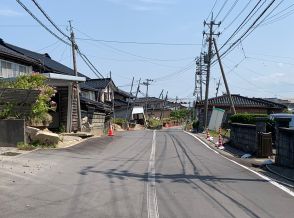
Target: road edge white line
x,y
268,179
152,206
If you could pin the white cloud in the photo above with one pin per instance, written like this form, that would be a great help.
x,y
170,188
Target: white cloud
x,y
9,13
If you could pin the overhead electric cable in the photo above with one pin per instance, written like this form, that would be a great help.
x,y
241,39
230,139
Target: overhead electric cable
x,y
222,7
43,25
230,10
49,19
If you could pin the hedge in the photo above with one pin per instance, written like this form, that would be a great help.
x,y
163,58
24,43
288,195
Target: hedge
x,y
246,118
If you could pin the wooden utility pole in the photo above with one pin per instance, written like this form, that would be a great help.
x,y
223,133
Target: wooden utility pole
x,y
76,85
224,77
136,96
147,84
211,24
127,112
163,107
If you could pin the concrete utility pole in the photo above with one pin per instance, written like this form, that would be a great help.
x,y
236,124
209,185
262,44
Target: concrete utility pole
x,y
211,24
224,77
147,84
217,87
127,112
136,96
163,107
74,48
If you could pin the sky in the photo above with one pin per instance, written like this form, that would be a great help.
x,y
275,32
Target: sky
x,y
261,66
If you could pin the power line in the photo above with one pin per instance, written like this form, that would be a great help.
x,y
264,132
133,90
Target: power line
x,y
50,20
43,25
238,15
251,26
222,7
211,11
247,18
139,43
89,64
230,10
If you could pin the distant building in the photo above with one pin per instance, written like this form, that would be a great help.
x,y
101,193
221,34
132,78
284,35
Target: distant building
x,y
287,102
153,106
242,105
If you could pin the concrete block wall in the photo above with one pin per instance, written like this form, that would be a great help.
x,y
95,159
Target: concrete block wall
x,y
12,132
285,147
243,136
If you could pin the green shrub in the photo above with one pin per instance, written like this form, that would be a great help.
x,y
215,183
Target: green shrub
x,y
154,123
246,118
119,121
40,109
195,124
25,146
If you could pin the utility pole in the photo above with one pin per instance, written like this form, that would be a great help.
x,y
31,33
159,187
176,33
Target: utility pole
x,y
127,112
147,84
224,77
217,87
163,107
76,85
136,96
211,24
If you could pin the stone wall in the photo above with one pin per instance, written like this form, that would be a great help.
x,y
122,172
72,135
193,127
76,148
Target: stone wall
x,y
285,147
243,136
12,132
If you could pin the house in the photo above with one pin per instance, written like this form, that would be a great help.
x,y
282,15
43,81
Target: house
x,y
287,102
18,61
157,107
123,103
242,105
104,87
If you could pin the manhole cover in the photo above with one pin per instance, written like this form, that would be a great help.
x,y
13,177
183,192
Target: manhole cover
x,y
10,153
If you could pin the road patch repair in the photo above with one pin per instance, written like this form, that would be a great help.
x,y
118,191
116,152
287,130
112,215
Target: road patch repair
x,y
231,158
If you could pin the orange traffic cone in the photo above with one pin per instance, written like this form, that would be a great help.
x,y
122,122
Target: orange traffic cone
x,y
220,139
207,134
110,131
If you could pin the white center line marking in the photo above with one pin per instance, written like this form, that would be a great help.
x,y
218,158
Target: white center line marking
x,y
151,189
283,188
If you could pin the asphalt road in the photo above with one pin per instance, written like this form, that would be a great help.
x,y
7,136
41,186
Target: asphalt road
x,y
165,173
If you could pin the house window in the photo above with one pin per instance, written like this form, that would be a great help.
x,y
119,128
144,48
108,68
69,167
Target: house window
x,y
89,95
9,69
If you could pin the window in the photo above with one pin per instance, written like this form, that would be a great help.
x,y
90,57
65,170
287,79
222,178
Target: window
x,y
9,69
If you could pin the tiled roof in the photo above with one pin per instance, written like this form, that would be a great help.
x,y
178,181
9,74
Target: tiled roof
x,y
123,93
9,53
241,101
85,86
120,103
43,59
98,83
148,99
99,105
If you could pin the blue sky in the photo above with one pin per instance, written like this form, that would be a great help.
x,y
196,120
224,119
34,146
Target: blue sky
x,y
267,70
